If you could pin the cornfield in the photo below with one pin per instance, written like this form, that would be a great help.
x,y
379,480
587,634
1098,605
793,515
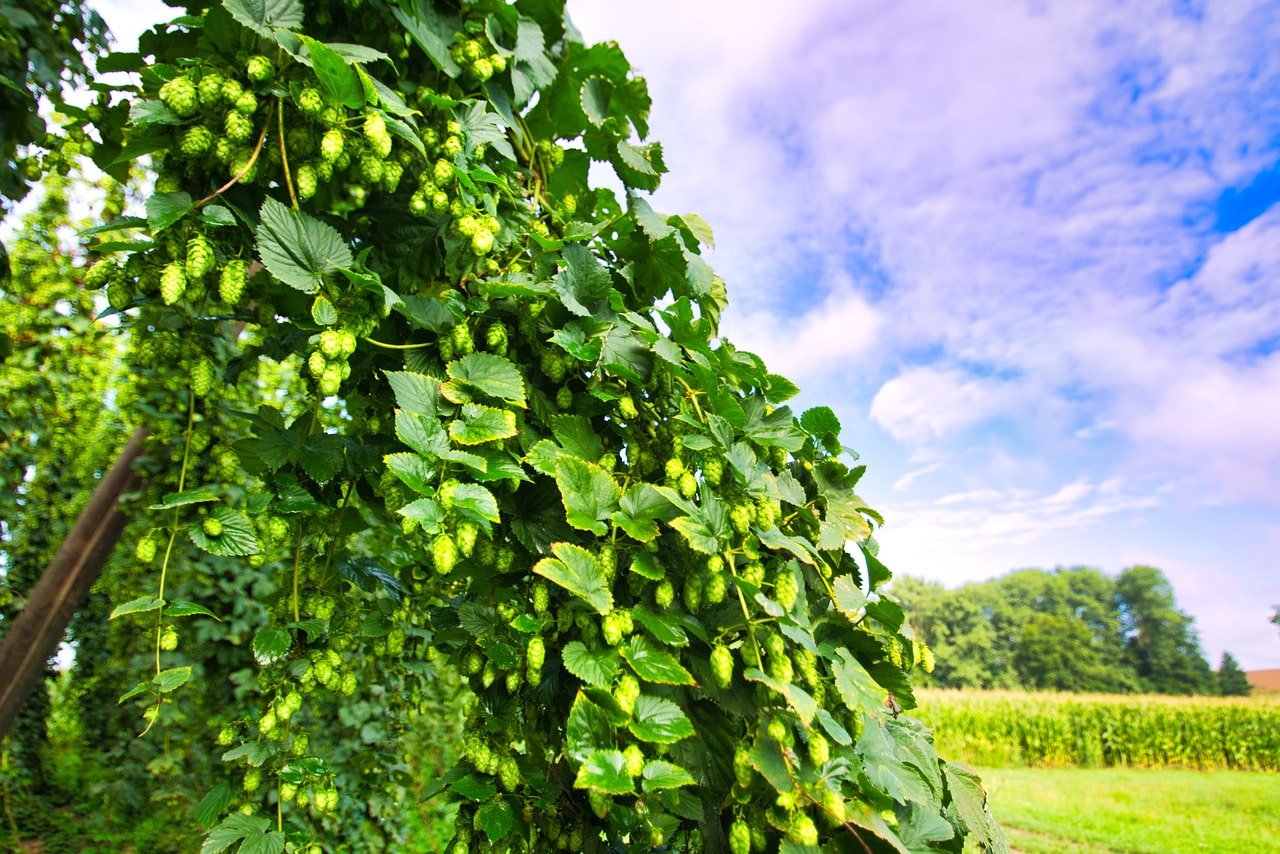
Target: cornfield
x,y
1011,729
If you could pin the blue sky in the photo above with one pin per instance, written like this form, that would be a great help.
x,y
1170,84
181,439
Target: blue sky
x,y
1030,252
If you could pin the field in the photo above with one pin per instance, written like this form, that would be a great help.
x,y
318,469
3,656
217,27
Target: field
x,y
1016,729
1100,811
1265,681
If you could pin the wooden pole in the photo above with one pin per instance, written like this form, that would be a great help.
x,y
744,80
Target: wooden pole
x,y
62,589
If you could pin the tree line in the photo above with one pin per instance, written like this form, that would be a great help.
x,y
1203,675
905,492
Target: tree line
x,y
1066,629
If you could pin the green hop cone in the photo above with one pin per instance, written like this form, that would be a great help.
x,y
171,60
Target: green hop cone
x,y
452,147
786,589
687,484
743,771
722,665
331,145
331,380
231,90
664,594
802,830
499,63
209,89
201,377
819,749
495,339
179,95
375,130
392,172
246,105
99,274
466,534
444,554
195,141
482,68
306,181
535,657
316,364
508,773
482,242
371,170
541,598
145,551
627,408
243,166
259,69
212,527
238,126
310,102
231,282
626,693
223,150
200,257
119,294
173,282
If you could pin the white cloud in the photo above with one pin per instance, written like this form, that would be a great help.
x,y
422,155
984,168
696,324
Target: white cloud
x,y
925,404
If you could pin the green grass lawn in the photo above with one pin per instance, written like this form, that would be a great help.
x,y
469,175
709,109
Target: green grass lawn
x,y
1113,810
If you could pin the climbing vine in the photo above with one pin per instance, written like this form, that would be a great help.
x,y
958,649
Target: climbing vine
x,y
442,406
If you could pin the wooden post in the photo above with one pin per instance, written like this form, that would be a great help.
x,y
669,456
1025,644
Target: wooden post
x,y
62,589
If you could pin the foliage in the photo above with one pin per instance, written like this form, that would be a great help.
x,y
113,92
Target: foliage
x,y
432,416
43,47
1011,728
1071,629
1088,811
1232,681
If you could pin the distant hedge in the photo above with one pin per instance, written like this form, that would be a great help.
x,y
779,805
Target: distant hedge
x,y
1010,729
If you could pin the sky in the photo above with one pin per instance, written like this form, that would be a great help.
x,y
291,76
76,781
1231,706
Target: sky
x,y
1028,251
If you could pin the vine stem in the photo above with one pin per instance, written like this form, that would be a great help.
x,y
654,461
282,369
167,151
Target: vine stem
x,y
284,155
387,346
253,158
342,510
297,562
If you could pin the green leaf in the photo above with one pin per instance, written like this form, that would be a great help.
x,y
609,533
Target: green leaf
x,y
652,664
587,728
472,499
575,569
164,209
137,606
596,669
767,758
184,608
339,82
237,537
417,394
430,30
271,644
152,113
171,679
577,437
797,698
213,804
820,420
833,728
473,788
849,599
659,720
595,94
496,818
217,216
323,312
272,842
480,424
583,282
922,827
589,494
605,771
235,828
424,433
263,16
413,471
490,374
299,249
665,628
640,508
426,512
697,534
970,802
322,456
660,775
645,565
855,685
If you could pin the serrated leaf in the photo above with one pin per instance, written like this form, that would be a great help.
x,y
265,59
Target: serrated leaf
x,y
577,437
849,598
605,771
417,394
323,312
652,664
583,282
235,828
970,802
587,728
645,565
473,788
213,804
338,81
271,644
185,608
147,112
431,31
855,685
413,471
299,249
425,434
272,842
595,94
263,16
171,679
696,533
490,374
164,209
472,499
140,688
659,720
596,669
237,537
660,775
426,512
837,732
217,216
575,569
665,628
370,576
322,457
820,420
589,494
639,510
800,701
137,606
480,424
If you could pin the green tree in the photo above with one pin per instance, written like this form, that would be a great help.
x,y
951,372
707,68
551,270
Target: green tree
x,y
1162,644
1232,681
1057,653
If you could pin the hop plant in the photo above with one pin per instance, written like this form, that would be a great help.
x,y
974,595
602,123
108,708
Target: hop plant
x,y
173,283
375,130
179,95
310,102
331,145
259,69
238,127
201,378
231,282
209,89
200,258
195,141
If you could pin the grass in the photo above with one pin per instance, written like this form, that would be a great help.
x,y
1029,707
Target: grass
x,y
1114,810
